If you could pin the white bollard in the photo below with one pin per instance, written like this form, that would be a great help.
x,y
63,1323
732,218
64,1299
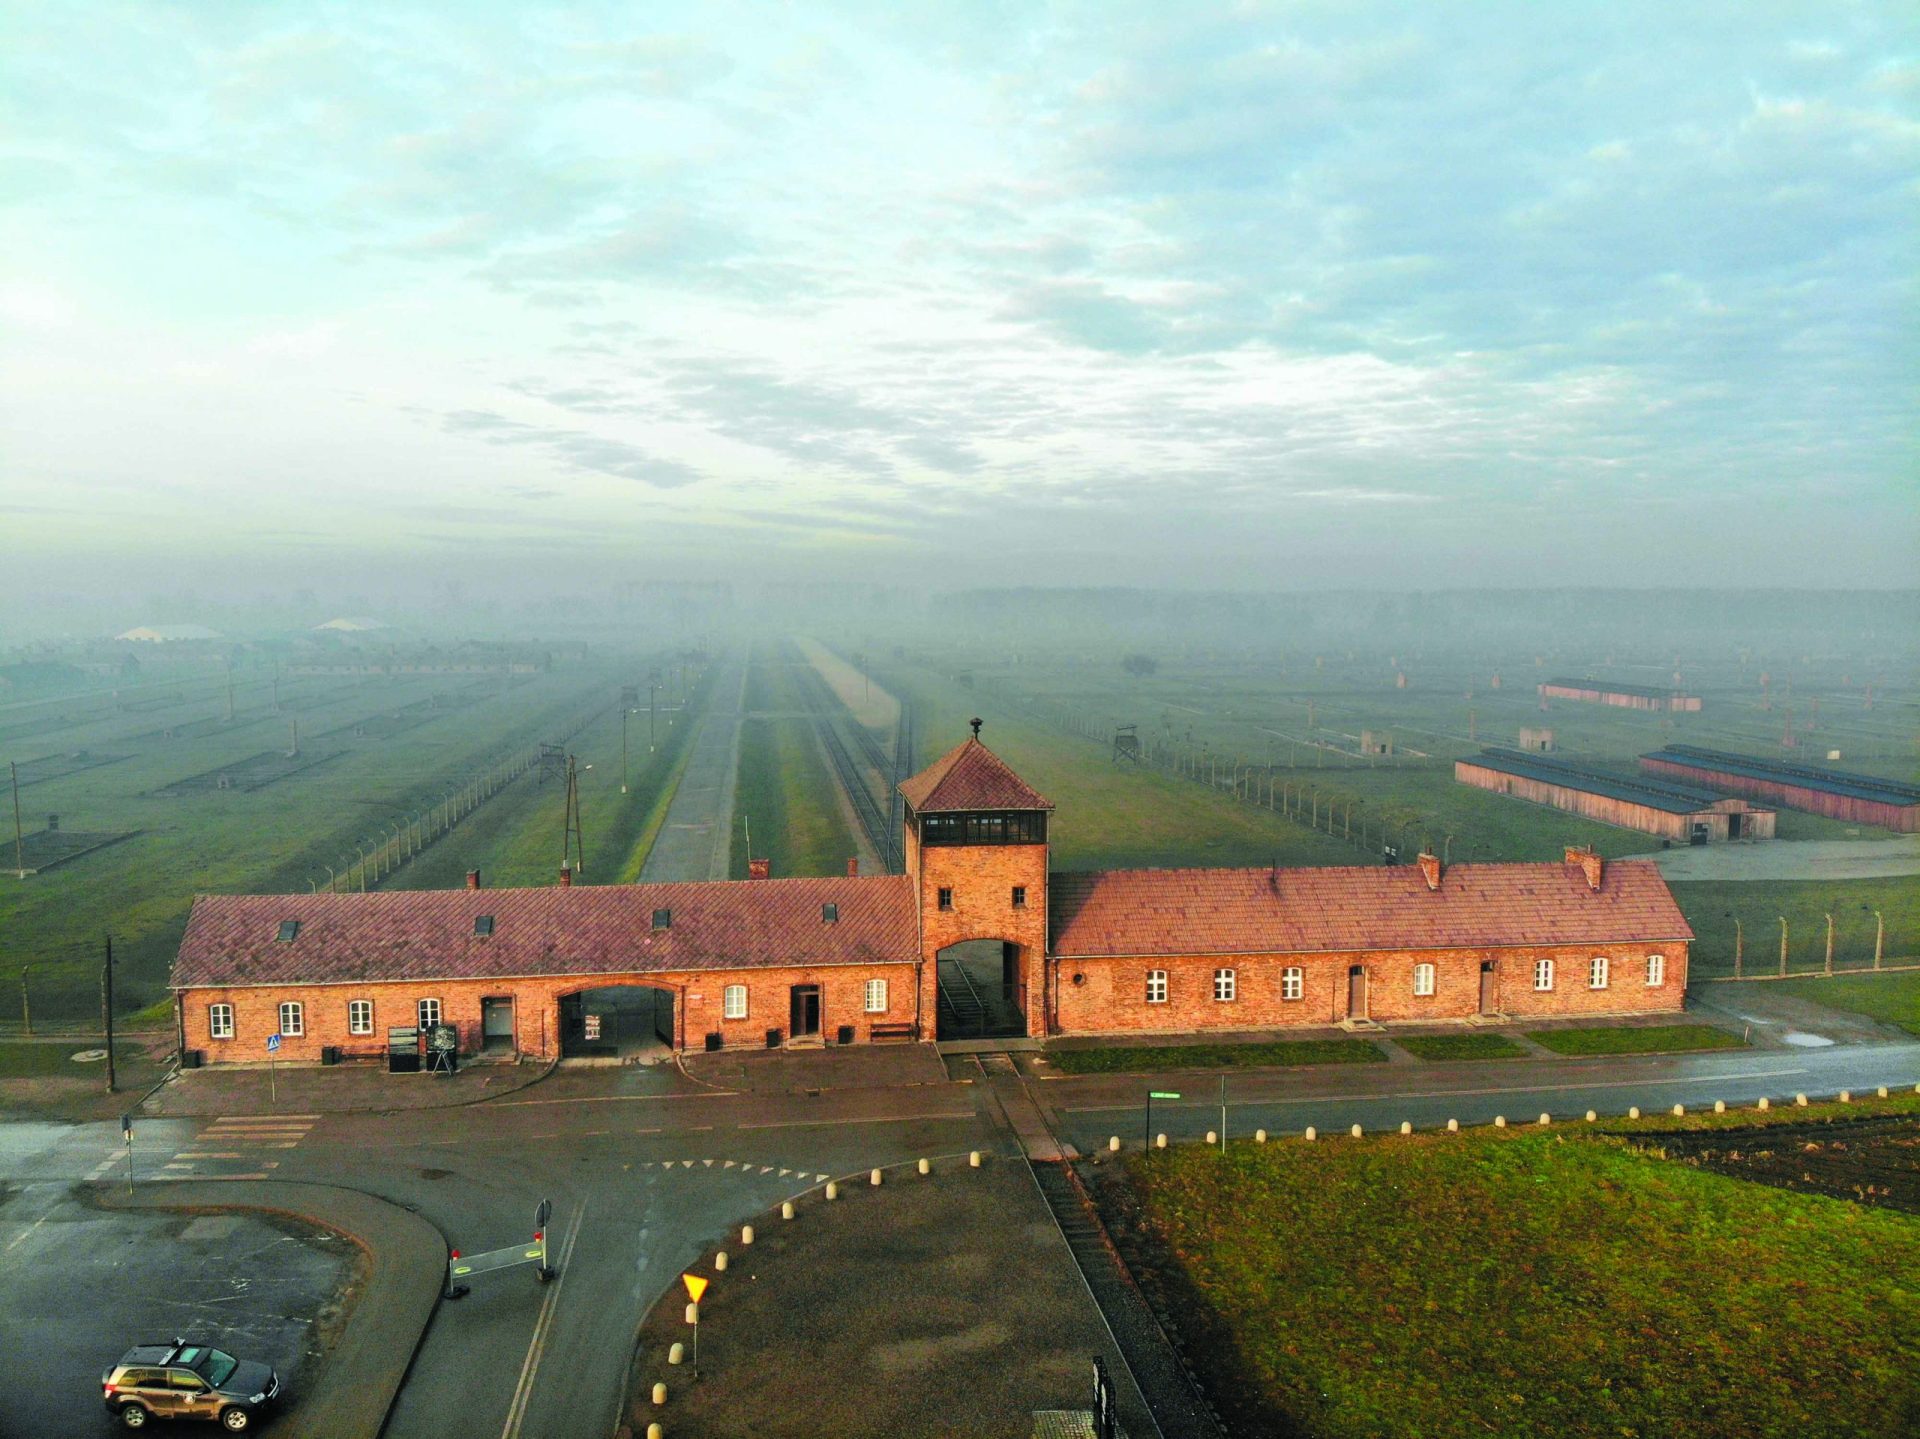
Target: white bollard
x,y
1545,1120
1259,1136
926,1167
1764,1103
746,1234
1453,1126
1633,1111
676,1353
1591,1116
659,1394
1311,1136
1679,1110
1800,1101
874,1179
786,1210
1212,1138
720,1262
1355,1131
1719,1106
1113,1144
833,1190
693,1314
1159,1141
1406,1126
1499,1121
654,1431
973,1159
1846,1096
1881,1091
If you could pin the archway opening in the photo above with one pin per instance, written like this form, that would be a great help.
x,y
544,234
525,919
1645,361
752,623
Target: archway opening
x,y
619,1024
983,990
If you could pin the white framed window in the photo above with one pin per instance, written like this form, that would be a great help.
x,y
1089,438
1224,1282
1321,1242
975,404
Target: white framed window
x,y
292,1019
733,1002
1543,974
1224,982
1423,980
1156,986
220,1021
876,996
1597,972
1293,983
427,1012
359,1016
1656,969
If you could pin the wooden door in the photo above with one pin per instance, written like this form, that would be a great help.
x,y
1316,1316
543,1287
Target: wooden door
x,y
1487,1000
1357,992
805,1011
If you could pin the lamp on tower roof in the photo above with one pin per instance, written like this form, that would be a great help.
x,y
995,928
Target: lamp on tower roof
x,y
975,722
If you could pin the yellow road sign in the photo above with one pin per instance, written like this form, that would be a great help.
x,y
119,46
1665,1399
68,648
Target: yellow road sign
x,y
696,1286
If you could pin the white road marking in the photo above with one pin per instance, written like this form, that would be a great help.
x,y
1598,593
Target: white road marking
x,y
542,1328
25,1233
870,1119
207,1154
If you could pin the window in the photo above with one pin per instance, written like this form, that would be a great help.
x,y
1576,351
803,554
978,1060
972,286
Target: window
x,y
876,996
1156,986
292,1022
1656,969
1004,827
663,919
1019,896
483,924
1543,974
288,929
734,1002
829,914
1223,985
427,1012
946,898
1293,983
1597,972
359,1016
220,1021
1423,979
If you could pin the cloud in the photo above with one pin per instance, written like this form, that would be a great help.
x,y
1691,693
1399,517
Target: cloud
x,y
575,449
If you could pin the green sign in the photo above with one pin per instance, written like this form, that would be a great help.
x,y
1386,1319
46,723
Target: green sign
x,y
1163,1094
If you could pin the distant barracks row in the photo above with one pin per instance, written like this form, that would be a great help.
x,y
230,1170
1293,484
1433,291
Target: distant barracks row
x,y
853,959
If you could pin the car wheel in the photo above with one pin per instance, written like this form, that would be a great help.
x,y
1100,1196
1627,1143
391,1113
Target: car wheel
x,y
133,1416
234,1420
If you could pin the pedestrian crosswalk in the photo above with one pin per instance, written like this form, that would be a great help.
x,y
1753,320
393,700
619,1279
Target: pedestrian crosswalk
x,y
230,1147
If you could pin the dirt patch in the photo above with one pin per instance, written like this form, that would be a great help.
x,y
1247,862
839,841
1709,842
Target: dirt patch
x,y
936,1306
1872,1161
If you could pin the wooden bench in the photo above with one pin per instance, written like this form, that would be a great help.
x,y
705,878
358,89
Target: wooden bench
x,y
881,1033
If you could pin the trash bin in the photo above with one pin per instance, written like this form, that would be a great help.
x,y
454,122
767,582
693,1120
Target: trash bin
x,y
846,1034
713,1040
329,1054
773,1039
190,1058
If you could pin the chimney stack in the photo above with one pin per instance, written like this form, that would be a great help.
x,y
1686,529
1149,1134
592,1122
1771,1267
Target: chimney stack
x,y
566,877
1589,862
853,866
473,879
1430,867
759,868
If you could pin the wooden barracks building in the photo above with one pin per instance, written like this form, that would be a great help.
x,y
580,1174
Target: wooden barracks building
x,y
978,937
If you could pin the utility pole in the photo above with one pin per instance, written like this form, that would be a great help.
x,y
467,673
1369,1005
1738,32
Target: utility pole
x,y
19,853
624,712
26,1004
106,1013
570,841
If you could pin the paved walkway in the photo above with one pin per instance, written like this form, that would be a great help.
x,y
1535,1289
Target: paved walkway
x,y
697,838
358,1381
361,1087
1793,859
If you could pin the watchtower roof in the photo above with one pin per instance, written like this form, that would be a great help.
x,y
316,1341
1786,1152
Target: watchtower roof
x,y
970,777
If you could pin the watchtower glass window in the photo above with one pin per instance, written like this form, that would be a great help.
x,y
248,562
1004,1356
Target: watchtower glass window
x,y
1013,826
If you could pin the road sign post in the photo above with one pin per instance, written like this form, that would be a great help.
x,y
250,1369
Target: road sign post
x,y
273,1091
696,1286
1153,1094
126,1129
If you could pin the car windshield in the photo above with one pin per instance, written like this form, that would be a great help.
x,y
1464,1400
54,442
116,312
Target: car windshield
x,y
213,1366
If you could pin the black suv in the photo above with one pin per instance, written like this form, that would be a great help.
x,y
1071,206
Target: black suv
x,y
187,1381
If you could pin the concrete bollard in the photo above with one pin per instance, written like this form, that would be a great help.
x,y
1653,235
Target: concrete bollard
x,y
926,1166
1406,1126
1113,1144
1355,1131
659,1394
720,1262
1159,1141
1633,1112
1591,1116
973,1159
676,1353
1259,1136
1453,1126
874,1179
1800,1101
1846,1096
1679,1110
1764,1103
654,1431
1545,1120
1881,1091
1719,1106
1311,1135
746,1234
693,1314
833,1190
1212,1137
786,1210
1499,1121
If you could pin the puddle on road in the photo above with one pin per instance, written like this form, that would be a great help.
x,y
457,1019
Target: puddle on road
x,y
1801,1040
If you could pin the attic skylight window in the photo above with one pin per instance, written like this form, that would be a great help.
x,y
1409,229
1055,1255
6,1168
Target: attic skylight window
x,y
663,919
829,914
288,929
483,924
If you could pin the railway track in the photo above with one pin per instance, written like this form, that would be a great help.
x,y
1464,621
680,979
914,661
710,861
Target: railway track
x,y
878,817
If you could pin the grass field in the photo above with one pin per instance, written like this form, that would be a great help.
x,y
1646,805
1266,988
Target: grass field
x,y
1533,1286
1891,998
1460,1046
1145,1059
1713,907
783,787
1654,1039
20,1059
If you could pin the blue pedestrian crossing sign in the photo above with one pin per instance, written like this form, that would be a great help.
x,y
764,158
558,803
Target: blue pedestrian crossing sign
x,y
273,1043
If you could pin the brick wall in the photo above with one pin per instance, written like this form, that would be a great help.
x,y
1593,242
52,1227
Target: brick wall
x,y
982,878
1110,996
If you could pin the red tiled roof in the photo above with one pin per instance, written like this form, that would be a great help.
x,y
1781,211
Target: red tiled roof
x,y
584,929
970,776
1243,911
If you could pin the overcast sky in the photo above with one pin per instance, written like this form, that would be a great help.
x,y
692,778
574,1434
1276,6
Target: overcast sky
x,y
1240,295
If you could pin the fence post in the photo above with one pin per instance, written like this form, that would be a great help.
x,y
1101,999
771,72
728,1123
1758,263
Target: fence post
x,y
1829,965
1739,944
1783,946
1879,936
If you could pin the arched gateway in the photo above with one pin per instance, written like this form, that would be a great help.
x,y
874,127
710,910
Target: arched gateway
x,y
976,938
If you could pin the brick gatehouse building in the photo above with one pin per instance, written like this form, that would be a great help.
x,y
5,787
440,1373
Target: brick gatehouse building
x,y
978,936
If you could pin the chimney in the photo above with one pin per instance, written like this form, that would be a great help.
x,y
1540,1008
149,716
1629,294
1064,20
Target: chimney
x,y
1430,867
473,879
566,877
1588,861
759,868
853,866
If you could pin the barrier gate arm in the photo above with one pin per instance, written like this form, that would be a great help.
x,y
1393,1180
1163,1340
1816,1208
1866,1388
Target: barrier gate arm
x,y
534,1252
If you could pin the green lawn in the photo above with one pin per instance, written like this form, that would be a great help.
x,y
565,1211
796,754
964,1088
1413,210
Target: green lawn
x,y
784,788
1712,907
22,1059
1544,1286
1460,1046
1146,1060
1892,998
1657,1039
